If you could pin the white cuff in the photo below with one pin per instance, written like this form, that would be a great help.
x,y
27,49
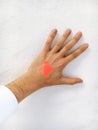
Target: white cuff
x,y
8,103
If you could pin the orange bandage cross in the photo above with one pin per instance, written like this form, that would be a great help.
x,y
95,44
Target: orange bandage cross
x,y
46,68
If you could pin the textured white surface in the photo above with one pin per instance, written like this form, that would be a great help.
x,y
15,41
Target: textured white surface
x,y
24,26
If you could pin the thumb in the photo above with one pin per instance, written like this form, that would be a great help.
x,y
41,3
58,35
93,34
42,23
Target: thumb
x,y
70,81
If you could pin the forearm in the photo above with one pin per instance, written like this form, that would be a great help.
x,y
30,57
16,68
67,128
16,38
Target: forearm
x,y
23,86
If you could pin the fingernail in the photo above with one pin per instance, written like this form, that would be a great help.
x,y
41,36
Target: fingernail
x,y
68,30
79,80
86,45
79,34
54,31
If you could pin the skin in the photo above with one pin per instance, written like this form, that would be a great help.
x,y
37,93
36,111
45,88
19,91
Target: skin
x,y
58,58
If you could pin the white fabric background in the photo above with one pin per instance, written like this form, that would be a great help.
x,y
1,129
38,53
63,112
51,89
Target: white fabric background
x,y
24,26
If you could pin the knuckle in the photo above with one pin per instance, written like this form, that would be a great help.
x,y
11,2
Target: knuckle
x,y
56,57
81,50
49,40
67,47
75,54
67,60
58,44
61,40
76,38
55,60
72,83
64,35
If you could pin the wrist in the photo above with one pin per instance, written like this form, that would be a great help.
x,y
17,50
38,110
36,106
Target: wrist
x,y
23,86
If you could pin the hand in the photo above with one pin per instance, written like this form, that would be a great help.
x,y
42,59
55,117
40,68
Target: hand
x,y
57,58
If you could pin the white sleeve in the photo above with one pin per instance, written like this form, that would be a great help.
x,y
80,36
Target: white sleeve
x,y
8,103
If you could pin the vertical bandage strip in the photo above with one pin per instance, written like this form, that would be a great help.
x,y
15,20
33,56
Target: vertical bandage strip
x,y
46,68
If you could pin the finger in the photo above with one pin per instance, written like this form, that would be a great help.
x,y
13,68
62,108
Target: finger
x,y
70,81
61,41
75,53
50,39
70,44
